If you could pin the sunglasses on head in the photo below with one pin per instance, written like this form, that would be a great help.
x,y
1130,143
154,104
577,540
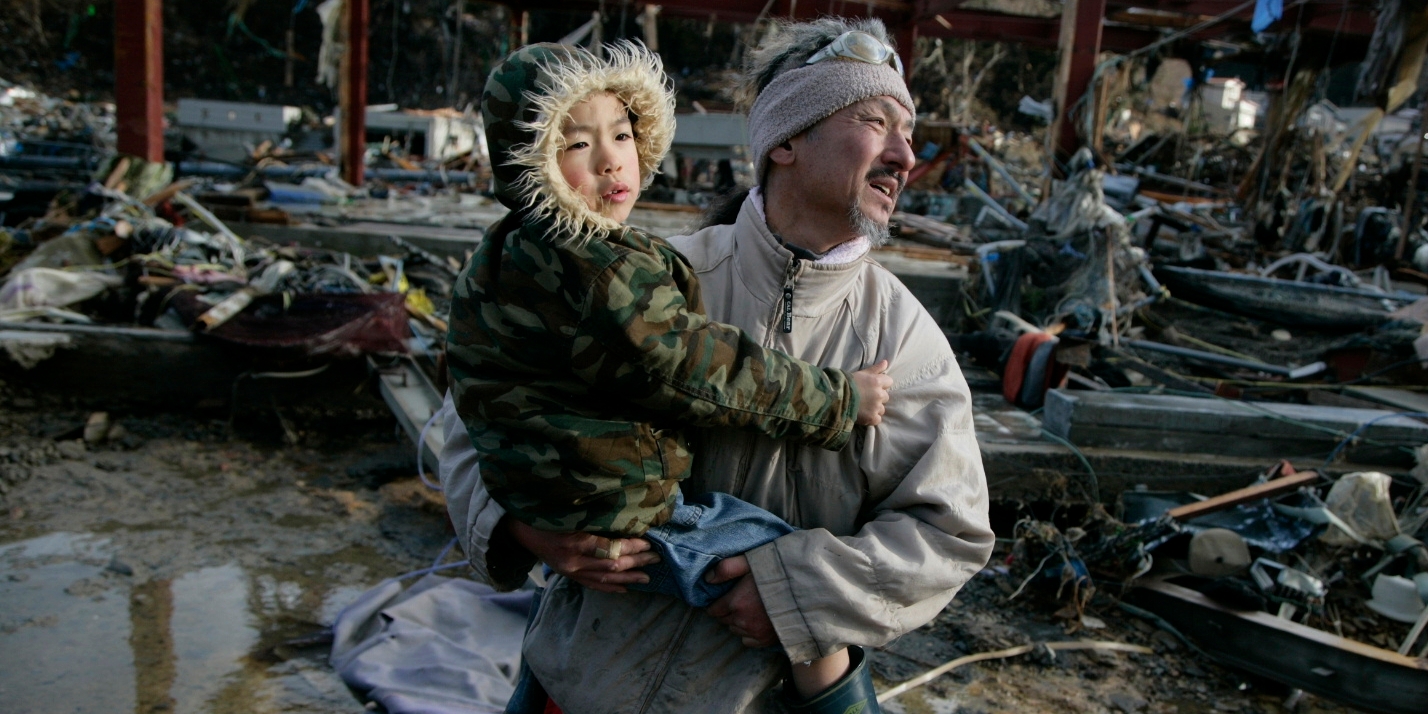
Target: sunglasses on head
x,y
860,46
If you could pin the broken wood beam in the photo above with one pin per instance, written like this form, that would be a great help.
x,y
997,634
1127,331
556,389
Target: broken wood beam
x,y
1224,501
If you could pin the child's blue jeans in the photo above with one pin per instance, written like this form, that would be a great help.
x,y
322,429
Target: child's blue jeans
x,y
700,532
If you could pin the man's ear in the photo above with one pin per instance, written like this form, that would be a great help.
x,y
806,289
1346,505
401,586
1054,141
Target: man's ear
x,y
783,154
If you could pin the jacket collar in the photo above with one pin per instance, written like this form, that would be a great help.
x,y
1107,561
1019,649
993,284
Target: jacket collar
x,y
766,267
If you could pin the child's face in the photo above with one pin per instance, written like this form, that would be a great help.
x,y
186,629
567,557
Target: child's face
x,y
599,160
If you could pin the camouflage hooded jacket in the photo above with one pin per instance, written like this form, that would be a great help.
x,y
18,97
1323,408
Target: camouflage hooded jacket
x,y
579,347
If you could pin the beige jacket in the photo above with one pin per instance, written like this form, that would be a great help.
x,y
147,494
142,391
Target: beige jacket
x,y
894,524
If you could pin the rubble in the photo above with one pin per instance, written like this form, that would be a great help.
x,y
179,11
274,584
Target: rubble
x,y
1219,296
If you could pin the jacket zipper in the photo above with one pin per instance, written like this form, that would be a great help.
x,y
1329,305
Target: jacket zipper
x,y
790,276
783,319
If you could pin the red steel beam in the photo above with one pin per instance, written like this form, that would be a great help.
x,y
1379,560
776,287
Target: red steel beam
x,y
139,77
354,99
996,26
1121,32
1040,31
894,12
1344,16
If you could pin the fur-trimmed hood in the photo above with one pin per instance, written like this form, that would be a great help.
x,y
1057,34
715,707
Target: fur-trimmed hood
x,y
526,101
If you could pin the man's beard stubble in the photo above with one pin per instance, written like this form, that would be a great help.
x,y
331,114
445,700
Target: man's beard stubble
x,y
877,233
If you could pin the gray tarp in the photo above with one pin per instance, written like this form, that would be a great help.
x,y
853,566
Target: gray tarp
x,y
441,646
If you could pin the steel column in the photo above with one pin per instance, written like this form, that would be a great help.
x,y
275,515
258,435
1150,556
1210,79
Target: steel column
x,y
139,77
1080,46
354,95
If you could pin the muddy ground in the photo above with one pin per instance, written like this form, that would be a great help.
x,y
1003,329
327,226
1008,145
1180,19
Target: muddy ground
x,y
181,565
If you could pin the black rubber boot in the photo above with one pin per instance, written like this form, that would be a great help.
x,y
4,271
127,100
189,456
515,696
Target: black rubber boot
x,y
853,694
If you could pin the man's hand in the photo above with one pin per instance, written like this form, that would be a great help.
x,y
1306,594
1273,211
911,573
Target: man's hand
x,y
741,609
581,556
872,386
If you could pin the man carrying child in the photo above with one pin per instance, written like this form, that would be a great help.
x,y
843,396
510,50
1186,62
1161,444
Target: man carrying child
x,y
890,525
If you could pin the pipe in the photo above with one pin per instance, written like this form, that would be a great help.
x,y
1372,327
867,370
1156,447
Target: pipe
x,y
1289,372
997,208
1001,170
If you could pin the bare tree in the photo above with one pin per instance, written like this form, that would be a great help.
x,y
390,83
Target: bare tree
x,y
950,73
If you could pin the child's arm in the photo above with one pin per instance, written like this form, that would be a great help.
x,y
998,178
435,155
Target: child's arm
x,y
640,340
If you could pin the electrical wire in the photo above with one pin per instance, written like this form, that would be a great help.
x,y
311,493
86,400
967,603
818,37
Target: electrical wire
x,y
1346,440
1090,472
421,442
436,564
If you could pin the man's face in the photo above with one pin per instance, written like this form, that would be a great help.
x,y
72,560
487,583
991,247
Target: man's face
x,y
600,160
857,161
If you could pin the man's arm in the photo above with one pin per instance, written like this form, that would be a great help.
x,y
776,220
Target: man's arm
x,y
641,340
473,513
503,550
925,540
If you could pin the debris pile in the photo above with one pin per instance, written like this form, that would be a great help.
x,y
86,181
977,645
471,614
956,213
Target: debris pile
x,y
101,256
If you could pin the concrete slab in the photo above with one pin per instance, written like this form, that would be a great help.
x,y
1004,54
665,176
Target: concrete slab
x,y
1268,430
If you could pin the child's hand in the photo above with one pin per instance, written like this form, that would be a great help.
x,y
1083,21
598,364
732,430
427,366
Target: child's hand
x,y
872,386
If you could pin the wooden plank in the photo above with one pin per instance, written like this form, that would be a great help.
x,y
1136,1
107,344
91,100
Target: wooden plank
x,y
941,255
1234,498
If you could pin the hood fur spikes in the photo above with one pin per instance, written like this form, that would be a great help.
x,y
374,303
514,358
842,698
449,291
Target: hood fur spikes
x,y
630,72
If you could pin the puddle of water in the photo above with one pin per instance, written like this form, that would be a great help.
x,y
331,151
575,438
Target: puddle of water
x,y
62,652
76,638
212,633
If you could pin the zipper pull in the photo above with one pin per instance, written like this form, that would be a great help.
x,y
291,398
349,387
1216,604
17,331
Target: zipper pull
x,y
787,309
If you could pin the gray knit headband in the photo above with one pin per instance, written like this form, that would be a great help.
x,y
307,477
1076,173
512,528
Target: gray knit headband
x,y
802,97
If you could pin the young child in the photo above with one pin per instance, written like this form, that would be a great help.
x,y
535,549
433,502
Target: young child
x,y
579,350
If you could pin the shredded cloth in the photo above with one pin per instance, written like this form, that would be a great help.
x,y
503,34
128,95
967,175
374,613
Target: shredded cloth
x,y
841,254
800,98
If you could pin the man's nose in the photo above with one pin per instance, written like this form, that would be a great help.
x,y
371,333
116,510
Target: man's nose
x,y
898,154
